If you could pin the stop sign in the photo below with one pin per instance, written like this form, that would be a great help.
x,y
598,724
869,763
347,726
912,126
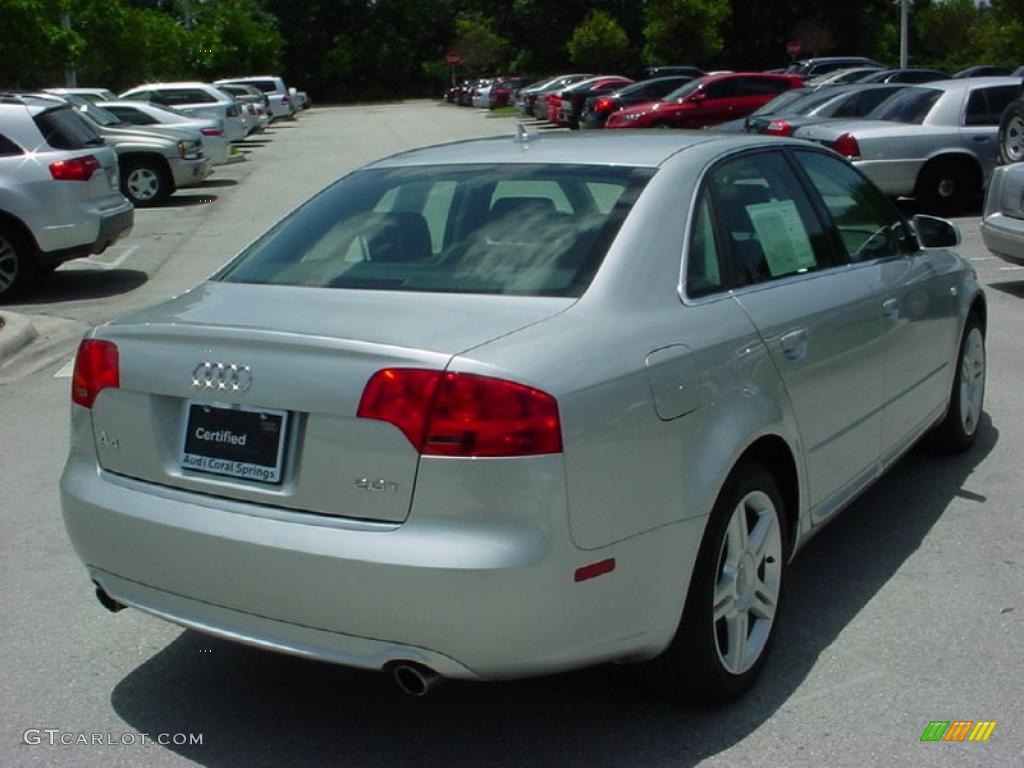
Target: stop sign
x,y
793,48
452,59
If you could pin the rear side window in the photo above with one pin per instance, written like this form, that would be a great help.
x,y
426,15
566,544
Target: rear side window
x,y
8,148
534,230
768,221
63,128
910,106
762,86
267,86
703,273
986,105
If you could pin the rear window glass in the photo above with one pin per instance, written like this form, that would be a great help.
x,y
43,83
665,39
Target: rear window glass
x,y
63,128
535,230
910,106
267,86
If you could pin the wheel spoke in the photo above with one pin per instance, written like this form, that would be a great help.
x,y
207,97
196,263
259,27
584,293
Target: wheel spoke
x,y
736,631
760,535
725,595
737,534
763,606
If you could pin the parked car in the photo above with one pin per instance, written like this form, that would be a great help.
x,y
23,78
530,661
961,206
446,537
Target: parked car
x,y
983,70
503,89
480,97
92,94
253,101
149,116
277,92
390,455
822,65
935,142
199,99
904,76
534,99
706,101
298,99
596,109
842,76
670,70
1002,224
819,106
571,99
1011,131
59,192
777,105
153,165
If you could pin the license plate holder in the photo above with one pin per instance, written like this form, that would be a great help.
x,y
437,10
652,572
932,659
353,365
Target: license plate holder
x,y
233,440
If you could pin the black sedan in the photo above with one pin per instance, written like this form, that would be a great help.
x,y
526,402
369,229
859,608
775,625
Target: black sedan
x,y
596,109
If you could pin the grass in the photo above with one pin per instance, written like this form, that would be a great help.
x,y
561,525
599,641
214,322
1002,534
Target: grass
x,y
509,111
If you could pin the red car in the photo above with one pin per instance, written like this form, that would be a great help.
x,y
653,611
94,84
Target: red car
x,y
706,101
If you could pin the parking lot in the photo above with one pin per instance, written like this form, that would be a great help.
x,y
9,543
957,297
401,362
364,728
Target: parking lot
x,y
906,609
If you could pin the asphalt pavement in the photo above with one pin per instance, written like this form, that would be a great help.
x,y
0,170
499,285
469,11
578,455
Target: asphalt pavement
x,y
908,608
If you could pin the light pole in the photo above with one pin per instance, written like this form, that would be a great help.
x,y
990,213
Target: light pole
x,y
70,74
904,5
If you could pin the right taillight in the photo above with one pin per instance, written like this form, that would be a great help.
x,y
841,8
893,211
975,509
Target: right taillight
x,y
211,131
847,146
463,414
75,169
96,368
603,105
779,128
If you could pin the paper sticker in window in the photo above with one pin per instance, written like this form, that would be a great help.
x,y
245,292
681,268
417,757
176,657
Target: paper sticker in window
x,y
784,240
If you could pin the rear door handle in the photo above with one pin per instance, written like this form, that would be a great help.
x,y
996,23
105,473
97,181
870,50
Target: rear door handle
x,y
794,344
982,138
891,310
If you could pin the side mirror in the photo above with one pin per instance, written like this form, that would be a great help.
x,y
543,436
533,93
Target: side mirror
x,y
933,232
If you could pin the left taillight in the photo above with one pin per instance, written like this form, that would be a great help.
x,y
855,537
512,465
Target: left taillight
x,y
463,414
779,128
211,131
75,169
96,368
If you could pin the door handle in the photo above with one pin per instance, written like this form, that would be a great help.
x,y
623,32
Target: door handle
x,y
982,138
891,310
794,344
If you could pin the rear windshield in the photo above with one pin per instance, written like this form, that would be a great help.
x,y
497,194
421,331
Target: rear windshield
x,y
533,230
908,106
63,128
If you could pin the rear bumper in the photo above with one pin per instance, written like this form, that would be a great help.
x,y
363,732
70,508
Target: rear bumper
x,y
469,590
1004,236
896,178
104,228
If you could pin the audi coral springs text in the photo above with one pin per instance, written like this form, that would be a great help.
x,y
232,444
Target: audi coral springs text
x,y
507,407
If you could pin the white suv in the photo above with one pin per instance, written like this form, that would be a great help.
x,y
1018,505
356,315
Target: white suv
x,y
198,99
60,197
280,100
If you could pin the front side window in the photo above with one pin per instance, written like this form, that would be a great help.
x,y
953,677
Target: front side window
x,y
537,230
723,89
868,224
767,219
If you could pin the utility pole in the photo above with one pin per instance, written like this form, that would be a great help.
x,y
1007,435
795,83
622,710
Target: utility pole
x,y
903,33
70,75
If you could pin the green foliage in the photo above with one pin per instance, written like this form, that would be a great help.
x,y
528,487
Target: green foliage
x,y
599,43
34,47
481,48
684,31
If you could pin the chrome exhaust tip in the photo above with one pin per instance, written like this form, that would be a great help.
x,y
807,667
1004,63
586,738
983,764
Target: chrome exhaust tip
x,y
414,679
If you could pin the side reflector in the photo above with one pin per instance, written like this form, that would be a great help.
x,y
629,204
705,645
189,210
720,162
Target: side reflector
x,y
594,570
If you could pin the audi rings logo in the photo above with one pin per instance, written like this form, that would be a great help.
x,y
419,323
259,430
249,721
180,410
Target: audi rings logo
x,y
226,377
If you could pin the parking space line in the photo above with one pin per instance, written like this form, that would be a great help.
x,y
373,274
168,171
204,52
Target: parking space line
x,y
94,263
982,258
65,371
1009,269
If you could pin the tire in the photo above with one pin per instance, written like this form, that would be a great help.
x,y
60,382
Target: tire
x,y
704,665
1011,133
17,262
959,429
145,182
660,124
946,187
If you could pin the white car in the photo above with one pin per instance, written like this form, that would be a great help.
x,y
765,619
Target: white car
x,y
149,115
59,190
280,99
1002,227
195,98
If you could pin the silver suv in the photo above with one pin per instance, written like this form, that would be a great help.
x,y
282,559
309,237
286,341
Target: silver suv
x,y
59,195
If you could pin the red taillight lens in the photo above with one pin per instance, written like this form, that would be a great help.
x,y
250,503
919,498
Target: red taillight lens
x,y
462,414
96,368
603,105
779,128
847,146
285,100
211,131
75,169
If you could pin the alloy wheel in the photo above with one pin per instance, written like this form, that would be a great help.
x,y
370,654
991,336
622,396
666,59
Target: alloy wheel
x,y
1013,140
748,582
143,183
972,380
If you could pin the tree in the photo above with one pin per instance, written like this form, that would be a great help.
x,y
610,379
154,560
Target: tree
x,y
34,47
684,31
599,43
481,48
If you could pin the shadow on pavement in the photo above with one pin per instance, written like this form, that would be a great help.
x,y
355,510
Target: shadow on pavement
x,y
186,199
77,284
219,183
256,708
1014,288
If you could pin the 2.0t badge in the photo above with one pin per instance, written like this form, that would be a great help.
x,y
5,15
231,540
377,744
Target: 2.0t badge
x,y
228,377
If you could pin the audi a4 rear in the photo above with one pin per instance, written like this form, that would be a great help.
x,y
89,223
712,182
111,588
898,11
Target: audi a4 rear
x,y
503,408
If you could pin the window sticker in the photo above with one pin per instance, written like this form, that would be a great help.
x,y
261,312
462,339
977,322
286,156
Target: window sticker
x,y
785,243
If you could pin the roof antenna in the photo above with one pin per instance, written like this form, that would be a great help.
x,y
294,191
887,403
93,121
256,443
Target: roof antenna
x,y
523,136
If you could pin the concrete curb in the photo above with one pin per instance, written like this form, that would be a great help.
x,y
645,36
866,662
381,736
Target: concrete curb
x,y
16,331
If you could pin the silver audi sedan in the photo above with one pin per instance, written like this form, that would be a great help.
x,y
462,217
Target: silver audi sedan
x,y
507,407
